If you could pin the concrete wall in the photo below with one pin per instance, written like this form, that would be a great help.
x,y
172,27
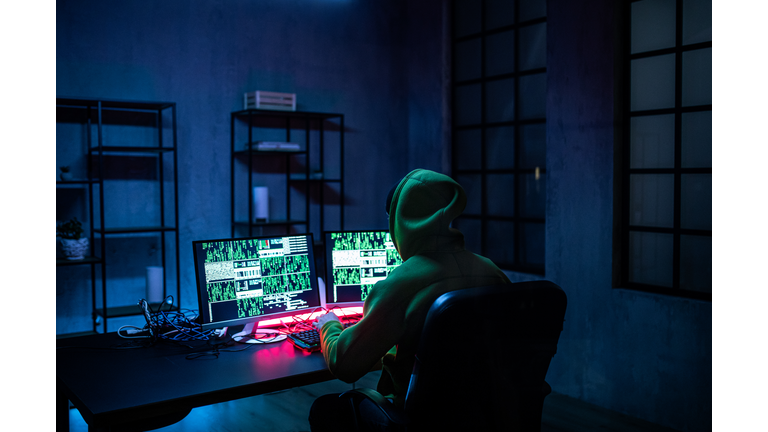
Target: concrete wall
x,y
646,355
378,63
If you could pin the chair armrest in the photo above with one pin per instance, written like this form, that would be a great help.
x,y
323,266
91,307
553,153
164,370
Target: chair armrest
x,y
395,414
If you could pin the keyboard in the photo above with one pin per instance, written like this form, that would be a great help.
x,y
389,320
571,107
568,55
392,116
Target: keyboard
x,y
309,340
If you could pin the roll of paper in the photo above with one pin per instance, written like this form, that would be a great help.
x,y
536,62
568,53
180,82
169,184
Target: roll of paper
x,y
261,203
155,284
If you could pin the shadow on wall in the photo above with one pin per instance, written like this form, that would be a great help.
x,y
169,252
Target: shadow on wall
x,y
118,167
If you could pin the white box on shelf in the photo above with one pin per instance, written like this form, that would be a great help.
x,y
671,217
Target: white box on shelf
x,y
274,146
269,100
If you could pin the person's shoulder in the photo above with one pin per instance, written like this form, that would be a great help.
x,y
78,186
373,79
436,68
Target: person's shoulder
x,y
403,279
417,269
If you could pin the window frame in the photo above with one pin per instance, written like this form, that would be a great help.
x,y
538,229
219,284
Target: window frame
x,y
625,228
518,173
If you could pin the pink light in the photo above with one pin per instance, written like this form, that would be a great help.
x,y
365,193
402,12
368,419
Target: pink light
x,y
341,312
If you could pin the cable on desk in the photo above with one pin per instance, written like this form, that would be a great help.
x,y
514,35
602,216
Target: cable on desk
x,y
176,326
300,324
203,355
218,348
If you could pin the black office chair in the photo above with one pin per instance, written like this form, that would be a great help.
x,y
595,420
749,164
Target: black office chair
x,y
482,359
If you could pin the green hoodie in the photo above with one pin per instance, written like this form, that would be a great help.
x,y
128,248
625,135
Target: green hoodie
x,y
434,262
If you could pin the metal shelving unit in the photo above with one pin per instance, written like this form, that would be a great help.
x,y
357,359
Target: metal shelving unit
x,y
256,121
98,150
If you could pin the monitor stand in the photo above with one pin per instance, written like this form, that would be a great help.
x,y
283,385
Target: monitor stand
x,y
250,334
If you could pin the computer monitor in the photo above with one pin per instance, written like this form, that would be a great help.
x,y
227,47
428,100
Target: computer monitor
x,y
243,281
354,262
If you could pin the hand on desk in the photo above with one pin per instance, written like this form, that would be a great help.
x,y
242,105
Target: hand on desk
x,y
321,320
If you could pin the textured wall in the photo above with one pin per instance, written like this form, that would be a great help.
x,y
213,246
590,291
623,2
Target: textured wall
x,y
645,355
378,63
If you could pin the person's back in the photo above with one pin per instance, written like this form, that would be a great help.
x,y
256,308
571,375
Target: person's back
x,y
422,207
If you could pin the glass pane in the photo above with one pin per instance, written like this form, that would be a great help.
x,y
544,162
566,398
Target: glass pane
x,y
466,17
652,141
697,21
499,242
499,13
533,148
653,25
697,140
467,104
532,190
696,263
500,53
473,188
467,60
533,94
697,77
471,230
532,248
530,9
696,201
650,258
653,83
500,147
500,194
533,46
500,100
468,149
651,200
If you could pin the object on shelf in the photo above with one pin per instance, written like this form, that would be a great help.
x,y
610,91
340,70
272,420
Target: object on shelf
x,y
261,203
273,146
65,174
73,245
72,230
269,101
155,284
74,249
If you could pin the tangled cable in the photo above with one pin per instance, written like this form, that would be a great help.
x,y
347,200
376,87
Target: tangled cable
x,y
172,325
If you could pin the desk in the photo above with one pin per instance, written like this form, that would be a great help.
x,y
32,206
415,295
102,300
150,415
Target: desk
x,y
113,387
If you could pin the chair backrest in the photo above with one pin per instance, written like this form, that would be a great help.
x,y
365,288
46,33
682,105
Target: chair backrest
x,y
483,356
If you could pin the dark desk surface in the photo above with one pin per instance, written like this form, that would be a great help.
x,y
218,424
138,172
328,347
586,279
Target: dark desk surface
x,y
109,385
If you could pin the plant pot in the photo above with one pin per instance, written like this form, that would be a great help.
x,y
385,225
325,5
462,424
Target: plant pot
x,y
74,249
65,176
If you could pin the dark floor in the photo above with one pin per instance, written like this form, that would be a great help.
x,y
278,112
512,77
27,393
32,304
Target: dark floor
x,y
287,411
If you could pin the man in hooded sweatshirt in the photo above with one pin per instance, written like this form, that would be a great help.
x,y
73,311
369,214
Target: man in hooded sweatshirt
x,y
421,208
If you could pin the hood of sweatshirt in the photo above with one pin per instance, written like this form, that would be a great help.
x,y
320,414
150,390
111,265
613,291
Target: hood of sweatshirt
x,y
423,206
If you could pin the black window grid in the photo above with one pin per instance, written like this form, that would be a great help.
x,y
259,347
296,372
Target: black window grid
x,y
518,239
626,228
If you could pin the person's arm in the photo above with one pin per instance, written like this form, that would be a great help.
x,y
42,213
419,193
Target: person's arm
x,y
353,352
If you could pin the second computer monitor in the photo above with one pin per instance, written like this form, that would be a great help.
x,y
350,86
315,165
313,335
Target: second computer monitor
x,y
354,262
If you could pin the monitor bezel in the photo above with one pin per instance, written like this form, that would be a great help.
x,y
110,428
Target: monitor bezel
x,y
201,303
329,268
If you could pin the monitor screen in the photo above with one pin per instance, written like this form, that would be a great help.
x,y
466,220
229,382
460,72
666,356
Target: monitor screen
x,y
354,262
242,281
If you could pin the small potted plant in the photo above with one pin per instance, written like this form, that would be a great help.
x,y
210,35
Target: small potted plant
x,y
65,174
73,244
